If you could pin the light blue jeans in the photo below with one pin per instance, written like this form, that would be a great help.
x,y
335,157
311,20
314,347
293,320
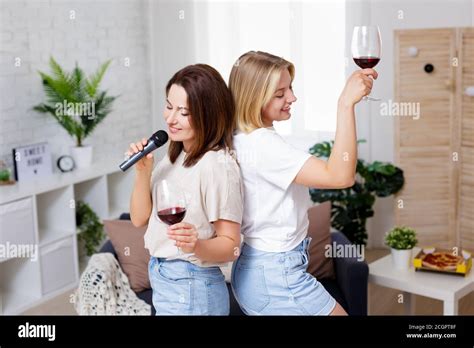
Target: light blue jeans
x,y
182,288
276,283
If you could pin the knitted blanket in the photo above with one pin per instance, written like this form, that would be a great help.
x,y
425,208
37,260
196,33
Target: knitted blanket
x,y
105,290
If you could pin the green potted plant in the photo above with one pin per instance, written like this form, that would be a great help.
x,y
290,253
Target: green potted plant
x,y
78,105
5,174
90,229
352,206
401,240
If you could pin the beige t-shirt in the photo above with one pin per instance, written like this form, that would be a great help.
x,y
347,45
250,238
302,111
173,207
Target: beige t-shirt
x,y
213,191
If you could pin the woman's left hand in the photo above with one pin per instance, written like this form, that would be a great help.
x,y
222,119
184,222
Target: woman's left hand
x,y
358,85
185,235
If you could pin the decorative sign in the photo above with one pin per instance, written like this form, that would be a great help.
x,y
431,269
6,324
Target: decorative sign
x,y
32,161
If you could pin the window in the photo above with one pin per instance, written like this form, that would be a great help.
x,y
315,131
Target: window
x,y
311,34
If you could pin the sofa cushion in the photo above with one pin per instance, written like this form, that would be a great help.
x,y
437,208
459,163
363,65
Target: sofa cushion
x,y
319,230
147,296
129,246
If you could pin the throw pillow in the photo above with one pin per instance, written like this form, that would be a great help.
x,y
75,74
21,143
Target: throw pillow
x,y
129,245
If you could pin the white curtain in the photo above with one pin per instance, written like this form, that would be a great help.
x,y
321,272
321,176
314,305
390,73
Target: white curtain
x,y
311,34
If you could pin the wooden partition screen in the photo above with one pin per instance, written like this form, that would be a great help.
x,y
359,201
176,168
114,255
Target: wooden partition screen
x,y
434,70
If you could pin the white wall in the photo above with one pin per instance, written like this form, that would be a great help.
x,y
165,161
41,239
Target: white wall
x,y
172,48
101,30
378,130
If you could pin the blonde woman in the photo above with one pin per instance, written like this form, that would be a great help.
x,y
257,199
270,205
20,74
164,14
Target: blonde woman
x,y
270,277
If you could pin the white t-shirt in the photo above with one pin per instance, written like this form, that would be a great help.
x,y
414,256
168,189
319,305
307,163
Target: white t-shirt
x,y
213,191
275,209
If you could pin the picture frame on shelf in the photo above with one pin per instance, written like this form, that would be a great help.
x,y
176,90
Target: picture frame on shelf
x,y
32,161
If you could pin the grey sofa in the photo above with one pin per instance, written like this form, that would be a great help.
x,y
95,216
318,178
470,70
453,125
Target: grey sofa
x,y
349,288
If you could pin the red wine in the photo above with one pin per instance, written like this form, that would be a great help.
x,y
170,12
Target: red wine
x,y
172,216
366,62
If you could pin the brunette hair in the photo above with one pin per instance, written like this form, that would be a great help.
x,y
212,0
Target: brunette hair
x,y
211,108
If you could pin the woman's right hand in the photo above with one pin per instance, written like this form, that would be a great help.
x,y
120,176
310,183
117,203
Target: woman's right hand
x,y
144,165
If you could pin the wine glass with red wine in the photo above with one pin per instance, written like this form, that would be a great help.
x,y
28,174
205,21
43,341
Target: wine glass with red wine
x,y
366,48
171,204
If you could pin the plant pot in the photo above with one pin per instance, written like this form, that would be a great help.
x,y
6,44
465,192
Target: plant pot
x,y
401,259
82,156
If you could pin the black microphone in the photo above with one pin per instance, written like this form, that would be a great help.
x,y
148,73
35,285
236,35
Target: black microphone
x,y
156,140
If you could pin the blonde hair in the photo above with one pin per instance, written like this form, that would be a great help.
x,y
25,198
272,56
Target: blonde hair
x,y
253,80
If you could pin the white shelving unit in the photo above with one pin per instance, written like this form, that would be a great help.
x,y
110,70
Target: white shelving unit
x,y
41,215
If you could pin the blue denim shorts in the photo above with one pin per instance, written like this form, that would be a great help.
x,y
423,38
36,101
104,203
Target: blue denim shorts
x,y
182,288
277,283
